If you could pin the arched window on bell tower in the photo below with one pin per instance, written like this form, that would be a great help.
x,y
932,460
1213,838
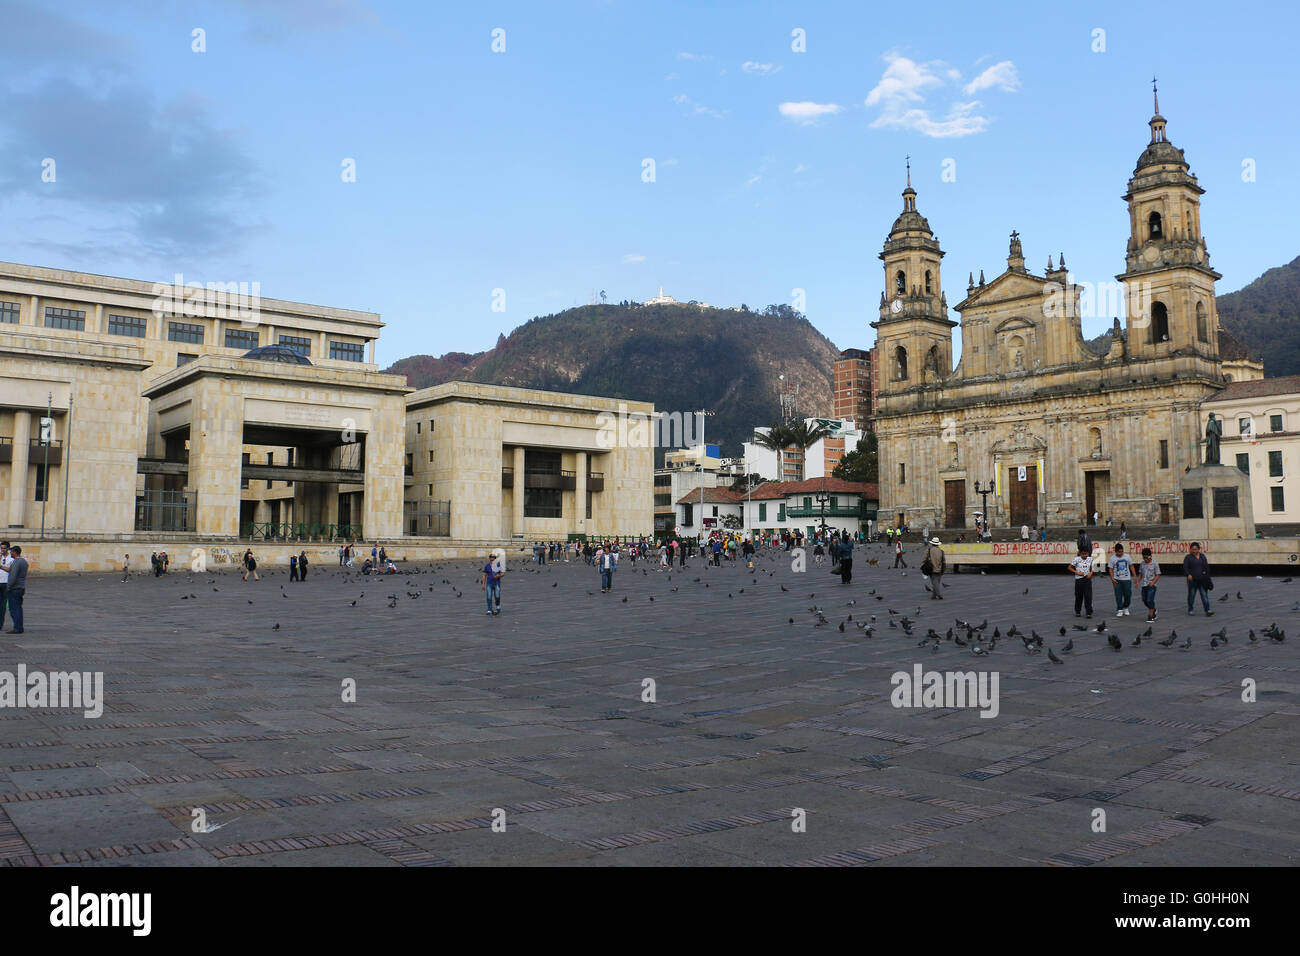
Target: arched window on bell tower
x,y
900,283
900,363
1159,322
1202,327
1153,226
928,290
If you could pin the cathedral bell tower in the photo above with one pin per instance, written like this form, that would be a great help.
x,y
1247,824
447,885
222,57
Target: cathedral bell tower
x,y
913,333
1169,285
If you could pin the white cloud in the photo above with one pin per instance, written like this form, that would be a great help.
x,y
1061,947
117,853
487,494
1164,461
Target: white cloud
x,y
1002,75
694,57
753,181
698,109
670,77
905,84
633,257
749,66
806,111
800,169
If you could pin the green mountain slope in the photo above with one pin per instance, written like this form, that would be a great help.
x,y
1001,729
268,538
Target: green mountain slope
x,y
680,357
1265,315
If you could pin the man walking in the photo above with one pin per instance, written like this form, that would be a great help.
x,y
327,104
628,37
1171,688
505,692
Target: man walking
x,y
1149,574
1082,568
302,565
934,557
491,584
17,588
898,551
1120,569
126,568
608,565
1197,571
293,567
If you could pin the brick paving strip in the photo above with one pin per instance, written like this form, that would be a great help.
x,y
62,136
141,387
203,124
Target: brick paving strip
x,y
1144,836
873,853
659,834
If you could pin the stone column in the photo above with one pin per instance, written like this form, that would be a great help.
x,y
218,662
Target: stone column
x,y
372,350
517,495
216,456
580,492
19,468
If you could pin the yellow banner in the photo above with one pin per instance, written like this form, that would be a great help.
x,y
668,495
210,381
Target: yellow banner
x,y
1041,487
997,482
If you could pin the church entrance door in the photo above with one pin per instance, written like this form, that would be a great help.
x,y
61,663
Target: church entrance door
x,y
954,504
1024,497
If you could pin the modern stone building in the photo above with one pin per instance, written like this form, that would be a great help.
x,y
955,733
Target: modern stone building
x,y
512,462
1059,428
143,411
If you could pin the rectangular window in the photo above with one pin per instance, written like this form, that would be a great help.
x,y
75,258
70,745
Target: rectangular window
x,y
242,339
417,428
185,332
348,351
270,460
762,512
1275,423
715,511
132,325
298,343
74,319
40,483
1243,463
780,513
245,459
1164,453
1275,464
1278,499
688,515
807,504
588,505
431,456
431,495
9,312
289,484
542,503
1245,426
902,473
183,358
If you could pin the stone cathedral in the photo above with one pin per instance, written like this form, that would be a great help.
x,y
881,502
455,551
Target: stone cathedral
x,y
1059,428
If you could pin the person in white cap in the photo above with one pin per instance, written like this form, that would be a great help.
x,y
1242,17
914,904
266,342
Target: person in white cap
x,y
933,567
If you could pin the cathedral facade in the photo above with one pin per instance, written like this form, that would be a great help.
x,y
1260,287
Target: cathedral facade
x,y
1034,422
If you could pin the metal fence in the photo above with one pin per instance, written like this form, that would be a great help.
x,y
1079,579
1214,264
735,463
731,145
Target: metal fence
x,y
158,510
302,531
427,518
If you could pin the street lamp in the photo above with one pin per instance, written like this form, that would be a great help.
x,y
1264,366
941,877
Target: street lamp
x,y
699,524
822,499
984,494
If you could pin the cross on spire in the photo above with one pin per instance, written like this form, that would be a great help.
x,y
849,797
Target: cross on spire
x,y
909,170
1155,93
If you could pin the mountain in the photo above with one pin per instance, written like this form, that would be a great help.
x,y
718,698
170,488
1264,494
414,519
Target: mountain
x,y
681,357
1265,315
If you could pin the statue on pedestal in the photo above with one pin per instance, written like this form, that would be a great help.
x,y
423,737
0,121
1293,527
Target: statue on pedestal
x,y
1213,432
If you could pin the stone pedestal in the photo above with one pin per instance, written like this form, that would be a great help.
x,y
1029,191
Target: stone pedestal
x,y
1215,504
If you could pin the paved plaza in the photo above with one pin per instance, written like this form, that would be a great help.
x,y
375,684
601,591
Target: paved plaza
x,y
228,696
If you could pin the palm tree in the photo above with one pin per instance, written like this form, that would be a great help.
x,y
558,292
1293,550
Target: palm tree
x,y
777,438
805,436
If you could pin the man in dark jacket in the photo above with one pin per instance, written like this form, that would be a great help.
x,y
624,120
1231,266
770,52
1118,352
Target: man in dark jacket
x,y
844,554
17,588
1197,571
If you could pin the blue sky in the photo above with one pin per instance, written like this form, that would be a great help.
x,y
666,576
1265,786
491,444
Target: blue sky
x,y
522,170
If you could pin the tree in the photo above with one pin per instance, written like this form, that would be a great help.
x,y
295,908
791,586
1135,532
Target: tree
x,y
861,464
753,479
804,436
777,438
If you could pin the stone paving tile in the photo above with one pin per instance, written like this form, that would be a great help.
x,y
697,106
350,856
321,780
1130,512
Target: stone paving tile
x,y
540,710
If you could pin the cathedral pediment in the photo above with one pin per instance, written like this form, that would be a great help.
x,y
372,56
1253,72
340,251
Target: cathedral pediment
x,y
1020,440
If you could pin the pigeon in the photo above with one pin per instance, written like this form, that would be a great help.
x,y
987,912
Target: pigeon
x,y
1147,632
1069,645
276,628
1187,643
1137,641
1238,595
1063,630
791,619
1224,598
1252,637
1214,643
1168,641
1286,580
959,642
1025,591
1115,643
1221,634
1079,627
1279,637
1100,628
1053,658
624,600
841,627
978,651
